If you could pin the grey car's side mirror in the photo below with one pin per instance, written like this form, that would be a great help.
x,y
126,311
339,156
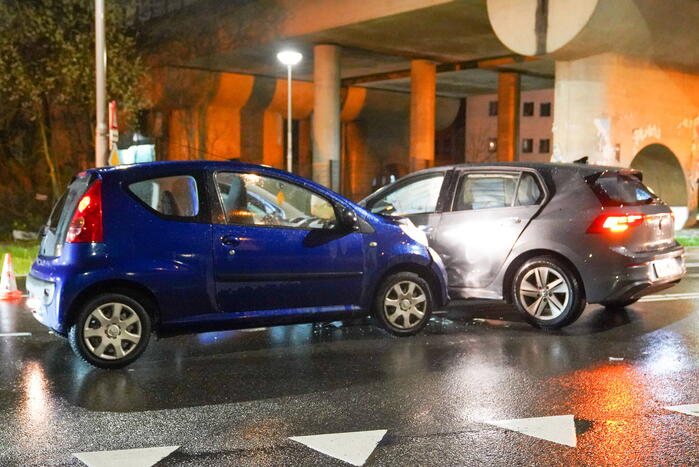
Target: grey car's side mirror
x,y
384,207
348,219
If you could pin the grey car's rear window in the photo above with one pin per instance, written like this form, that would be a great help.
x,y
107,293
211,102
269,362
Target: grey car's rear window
x,y
614,189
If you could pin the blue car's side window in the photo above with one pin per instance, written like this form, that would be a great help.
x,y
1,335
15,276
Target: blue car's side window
x,y
171,196
251,199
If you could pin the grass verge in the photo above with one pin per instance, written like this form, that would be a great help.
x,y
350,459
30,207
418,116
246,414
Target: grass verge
x,y
688,241
23,255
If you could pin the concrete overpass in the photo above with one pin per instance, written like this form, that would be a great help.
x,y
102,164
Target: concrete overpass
x,y
392,78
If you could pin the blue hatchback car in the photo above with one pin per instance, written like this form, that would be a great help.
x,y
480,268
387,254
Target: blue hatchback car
x,y
177,247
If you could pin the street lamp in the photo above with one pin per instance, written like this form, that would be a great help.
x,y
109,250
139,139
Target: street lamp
x,y
289,58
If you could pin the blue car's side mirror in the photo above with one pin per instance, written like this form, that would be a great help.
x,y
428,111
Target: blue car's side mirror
x,y
348,219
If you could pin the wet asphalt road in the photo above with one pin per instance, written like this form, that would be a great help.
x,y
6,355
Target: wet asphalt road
x,y
234,398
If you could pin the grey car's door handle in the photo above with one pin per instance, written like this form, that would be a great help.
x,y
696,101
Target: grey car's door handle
x,y
516,220
426,228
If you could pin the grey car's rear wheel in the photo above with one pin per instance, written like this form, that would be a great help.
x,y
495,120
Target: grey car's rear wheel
x,y
403,304
110,331
547,293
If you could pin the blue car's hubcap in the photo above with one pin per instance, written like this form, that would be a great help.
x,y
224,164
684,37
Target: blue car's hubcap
x,y
405,304
112,331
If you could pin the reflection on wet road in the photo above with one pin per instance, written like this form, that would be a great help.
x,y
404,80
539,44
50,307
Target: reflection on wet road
x,y
236,397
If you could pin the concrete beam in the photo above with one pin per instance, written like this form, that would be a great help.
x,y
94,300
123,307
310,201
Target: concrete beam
x,y
493,63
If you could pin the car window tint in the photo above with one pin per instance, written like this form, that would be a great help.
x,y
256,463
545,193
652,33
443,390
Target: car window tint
x,y
617,189
56,212
485,191
251,199
529,192
170,196
418,197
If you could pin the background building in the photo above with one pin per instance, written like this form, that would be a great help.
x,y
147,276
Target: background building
x,y
389,87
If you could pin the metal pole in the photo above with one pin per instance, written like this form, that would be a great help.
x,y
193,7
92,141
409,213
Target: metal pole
x,y
101,136
289,163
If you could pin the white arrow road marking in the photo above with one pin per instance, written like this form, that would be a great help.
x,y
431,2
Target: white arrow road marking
x,y
353,447
15,334
689,409
144,457
558,429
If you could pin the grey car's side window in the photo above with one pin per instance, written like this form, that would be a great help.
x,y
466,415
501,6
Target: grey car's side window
x,y
485,191
529,192
417,197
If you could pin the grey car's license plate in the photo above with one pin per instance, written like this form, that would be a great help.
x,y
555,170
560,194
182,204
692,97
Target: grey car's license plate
x,y
667,267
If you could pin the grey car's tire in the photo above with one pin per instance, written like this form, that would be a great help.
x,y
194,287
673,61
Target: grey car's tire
x,y
547,293
403,304
110,331
619,305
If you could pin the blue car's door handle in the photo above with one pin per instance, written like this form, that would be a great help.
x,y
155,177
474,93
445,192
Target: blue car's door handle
x,y
230,240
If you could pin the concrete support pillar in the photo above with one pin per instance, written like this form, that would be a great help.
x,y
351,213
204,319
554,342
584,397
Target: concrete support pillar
x,y
508,116
273,140
422,113
305,160
326,115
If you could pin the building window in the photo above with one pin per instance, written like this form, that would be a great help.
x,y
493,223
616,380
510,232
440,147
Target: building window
x,y
528,109
492,144
527,145
544,146
545,109
493,108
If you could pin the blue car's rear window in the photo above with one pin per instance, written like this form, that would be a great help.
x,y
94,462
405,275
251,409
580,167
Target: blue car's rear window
x,y
171,196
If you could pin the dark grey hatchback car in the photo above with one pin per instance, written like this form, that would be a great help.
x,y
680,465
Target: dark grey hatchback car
x,y
548,238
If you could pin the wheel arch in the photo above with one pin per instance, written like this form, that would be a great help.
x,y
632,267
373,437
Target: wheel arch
x,y
134,290
516,263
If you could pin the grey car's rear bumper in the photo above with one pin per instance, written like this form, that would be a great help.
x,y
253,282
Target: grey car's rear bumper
x,y
639,277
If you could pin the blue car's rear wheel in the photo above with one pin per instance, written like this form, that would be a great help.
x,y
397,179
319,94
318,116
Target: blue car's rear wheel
x,y
403,304
110,331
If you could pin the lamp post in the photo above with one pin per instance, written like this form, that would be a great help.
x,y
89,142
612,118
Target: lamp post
x,y
101,136
289,58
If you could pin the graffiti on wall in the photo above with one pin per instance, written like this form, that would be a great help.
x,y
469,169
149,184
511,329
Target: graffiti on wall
x,y
639,135
605,149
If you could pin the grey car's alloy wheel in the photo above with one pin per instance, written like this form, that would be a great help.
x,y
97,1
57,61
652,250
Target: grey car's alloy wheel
x,y
547,293
403,304
111,331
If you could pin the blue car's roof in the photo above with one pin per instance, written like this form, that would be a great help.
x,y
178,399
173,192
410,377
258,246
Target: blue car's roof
x,y
153,167
195,164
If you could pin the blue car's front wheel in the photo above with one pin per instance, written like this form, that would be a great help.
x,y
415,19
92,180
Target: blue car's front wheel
x,y
110,331
403,304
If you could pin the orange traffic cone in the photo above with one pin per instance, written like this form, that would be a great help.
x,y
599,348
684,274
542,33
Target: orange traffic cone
x,y
8,283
